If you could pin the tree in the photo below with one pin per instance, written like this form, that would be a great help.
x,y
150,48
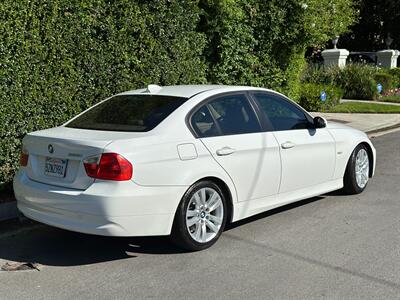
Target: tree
x,y
377,20
258,42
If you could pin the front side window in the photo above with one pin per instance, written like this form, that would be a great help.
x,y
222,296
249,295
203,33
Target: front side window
x,y
134,113
234,115
282,114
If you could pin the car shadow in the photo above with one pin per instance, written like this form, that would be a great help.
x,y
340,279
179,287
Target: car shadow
x,y
340,192
50,246
272,212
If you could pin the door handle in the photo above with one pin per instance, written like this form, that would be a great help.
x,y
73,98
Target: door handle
x,y
225,151
287,145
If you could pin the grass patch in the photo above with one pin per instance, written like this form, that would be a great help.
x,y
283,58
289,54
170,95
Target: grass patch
x,y
393,99
359,107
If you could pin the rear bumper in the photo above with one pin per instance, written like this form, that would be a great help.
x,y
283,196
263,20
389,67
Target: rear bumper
x,y
98,225
105,208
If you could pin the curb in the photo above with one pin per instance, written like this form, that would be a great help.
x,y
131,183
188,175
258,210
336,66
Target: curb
x,y
386,128
8,210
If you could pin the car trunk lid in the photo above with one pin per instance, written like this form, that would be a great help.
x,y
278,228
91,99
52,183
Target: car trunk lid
x,y
56,155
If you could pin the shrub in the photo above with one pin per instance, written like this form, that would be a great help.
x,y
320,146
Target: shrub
x,y
319,74
310,96
385,79
395,72
357,82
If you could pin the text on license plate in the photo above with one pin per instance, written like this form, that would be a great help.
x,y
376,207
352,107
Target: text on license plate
x,y
55,167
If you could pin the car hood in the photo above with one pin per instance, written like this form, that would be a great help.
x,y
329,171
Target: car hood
x,y
336,125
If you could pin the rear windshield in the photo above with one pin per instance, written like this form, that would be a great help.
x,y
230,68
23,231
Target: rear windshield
x,y
135,113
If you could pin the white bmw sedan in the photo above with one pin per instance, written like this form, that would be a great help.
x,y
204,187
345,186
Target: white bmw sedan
x,y
184,161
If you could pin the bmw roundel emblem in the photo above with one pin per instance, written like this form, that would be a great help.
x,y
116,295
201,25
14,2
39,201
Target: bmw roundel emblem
x,y
50,148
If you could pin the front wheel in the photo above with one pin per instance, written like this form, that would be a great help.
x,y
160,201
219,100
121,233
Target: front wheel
x,y
357,171
201,217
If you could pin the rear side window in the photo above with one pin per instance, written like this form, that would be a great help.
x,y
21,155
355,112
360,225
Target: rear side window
x,y
134,113
203,123
234,115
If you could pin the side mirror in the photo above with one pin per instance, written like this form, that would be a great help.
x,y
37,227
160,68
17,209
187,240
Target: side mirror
x,y
319,122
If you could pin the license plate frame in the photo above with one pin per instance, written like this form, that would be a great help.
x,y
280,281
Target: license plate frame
x,y
55,167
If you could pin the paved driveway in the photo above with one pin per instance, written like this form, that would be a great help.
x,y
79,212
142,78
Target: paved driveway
x,y
334,246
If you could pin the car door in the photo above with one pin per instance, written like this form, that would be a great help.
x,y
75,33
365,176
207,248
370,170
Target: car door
x,y
307,153
228,126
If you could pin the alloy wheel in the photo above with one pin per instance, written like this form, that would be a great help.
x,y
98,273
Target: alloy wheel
x,y
204,215
362,168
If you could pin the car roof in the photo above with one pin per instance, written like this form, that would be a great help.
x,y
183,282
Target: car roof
x,y
186,91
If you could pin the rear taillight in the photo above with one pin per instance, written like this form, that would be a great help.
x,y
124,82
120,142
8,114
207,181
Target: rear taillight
x,y
108,166
23,158
91,165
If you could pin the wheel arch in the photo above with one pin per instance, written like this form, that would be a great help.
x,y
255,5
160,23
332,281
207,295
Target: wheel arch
x,y
225,189
179,234
227,193
371,157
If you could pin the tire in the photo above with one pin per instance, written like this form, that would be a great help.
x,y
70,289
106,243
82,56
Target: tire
x,y
357,173
199,224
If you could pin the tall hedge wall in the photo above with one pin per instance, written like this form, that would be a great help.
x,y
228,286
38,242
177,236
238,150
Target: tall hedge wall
x,y
250,42
57,57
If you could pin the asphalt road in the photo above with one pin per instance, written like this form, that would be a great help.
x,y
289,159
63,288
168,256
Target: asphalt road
x,y
334,246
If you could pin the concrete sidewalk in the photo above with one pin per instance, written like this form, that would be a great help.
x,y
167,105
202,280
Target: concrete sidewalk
x,y
369,123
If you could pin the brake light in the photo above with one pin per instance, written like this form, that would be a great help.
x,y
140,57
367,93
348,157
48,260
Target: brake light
x,y
108,166
23,158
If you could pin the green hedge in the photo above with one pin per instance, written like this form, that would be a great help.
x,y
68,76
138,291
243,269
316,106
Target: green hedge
x,y
310,96
59,57
395,73
254,42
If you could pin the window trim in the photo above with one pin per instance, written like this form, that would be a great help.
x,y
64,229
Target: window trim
x,y
285,99
205,102
265,123
212,117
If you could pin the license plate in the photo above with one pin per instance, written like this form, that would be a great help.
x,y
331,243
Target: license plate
x,y
55,167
